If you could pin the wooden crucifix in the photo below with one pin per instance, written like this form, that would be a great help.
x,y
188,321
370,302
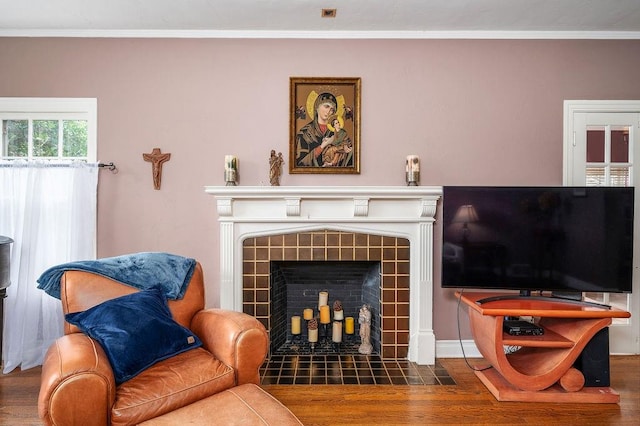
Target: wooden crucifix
x,y
156,159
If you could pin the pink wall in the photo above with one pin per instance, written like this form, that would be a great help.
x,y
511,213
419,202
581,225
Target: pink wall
x,y
475,111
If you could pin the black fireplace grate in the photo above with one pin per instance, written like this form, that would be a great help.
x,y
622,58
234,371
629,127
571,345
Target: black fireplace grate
x,y
301,346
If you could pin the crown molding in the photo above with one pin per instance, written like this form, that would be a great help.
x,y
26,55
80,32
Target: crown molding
x,y
371,35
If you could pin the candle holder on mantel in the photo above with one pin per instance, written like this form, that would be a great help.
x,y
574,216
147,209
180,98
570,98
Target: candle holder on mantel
x,y
230,177
413,170
230,170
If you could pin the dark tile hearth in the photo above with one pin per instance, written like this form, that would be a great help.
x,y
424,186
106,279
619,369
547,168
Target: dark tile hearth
x,y
349,369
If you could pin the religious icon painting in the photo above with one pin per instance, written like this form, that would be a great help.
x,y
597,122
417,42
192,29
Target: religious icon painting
x,y
325,125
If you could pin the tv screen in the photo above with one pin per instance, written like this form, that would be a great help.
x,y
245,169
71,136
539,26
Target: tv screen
x,y
562,239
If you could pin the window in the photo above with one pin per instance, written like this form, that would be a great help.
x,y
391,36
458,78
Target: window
x,y
48,208
48,129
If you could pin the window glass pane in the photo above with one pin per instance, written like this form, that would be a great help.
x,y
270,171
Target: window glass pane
x,y
595,144
620,144
620,176
595,176
620,301
595,297
616,300
45,138
74,136
15,134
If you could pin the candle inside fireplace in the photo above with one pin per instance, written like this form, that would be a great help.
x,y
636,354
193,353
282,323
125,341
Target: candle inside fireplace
x,y
338,315
323,298
307,314
325,316
337,331
313,335
349,325
295,325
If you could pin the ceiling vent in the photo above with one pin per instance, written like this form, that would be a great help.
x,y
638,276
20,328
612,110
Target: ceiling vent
x,y
329,13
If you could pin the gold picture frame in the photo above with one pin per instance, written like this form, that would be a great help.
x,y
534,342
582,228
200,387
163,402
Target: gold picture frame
x,y
324,125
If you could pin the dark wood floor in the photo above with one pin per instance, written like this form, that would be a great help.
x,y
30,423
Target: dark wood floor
x,y
467,402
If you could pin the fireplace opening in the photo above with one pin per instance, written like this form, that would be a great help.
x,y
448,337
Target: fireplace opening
x,y
296,287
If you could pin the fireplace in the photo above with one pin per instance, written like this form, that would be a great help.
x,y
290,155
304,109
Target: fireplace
x,y
295,290
390,225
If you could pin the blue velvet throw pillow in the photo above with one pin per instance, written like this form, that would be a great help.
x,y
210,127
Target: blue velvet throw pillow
x,y
136,331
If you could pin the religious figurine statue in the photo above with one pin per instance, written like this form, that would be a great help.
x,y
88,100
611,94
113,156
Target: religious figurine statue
x,y
364,319
275,168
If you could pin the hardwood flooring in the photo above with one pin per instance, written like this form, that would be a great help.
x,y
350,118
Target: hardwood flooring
x,y
466,402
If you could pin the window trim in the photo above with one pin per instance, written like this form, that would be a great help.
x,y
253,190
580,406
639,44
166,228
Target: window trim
x,y
570,108
77,108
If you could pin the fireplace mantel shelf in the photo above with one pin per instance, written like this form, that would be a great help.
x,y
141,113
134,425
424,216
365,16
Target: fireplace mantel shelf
x,y
392,203
324,191
398,211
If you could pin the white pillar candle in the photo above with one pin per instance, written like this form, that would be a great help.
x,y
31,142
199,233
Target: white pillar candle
x,y
295,324
323,298
230,162
413,163
337,331
338,315
313,335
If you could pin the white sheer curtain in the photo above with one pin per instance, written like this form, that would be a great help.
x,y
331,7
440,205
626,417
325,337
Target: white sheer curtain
x,y
49,210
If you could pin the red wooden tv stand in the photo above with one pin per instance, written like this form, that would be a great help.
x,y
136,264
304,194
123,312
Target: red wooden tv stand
x,y
542,369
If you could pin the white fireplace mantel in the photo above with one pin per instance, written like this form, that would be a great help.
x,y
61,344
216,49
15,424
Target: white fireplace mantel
x,y
407,212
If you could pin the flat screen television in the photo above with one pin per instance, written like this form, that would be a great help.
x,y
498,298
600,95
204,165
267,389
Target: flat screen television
x,y
538,239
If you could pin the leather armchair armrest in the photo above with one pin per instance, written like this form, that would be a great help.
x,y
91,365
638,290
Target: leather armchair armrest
x,y
237,339
77,385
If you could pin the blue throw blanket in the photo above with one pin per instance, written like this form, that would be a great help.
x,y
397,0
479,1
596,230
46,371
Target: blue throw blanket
x,y
140,270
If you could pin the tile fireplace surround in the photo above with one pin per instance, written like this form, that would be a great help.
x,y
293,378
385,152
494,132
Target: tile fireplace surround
x,y
263,213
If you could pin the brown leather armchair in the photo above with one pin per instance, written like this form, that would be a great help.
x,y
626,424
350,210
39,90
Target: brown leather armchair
x,y
78,385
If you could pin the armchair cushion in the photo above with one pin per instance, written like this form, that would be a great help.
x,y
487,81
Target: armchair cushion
x,y
136,331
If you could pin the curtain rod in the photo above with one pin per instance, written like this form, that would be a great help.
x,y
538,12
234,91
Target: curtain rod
x,y
110,166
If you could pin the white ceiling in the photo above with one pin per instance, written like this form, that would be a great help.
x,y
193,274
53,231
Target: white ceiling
x,y
302,18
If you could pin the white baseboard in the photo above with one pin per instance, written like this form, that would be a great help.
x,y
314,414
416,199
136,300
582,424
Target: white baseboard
x,y
452,349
